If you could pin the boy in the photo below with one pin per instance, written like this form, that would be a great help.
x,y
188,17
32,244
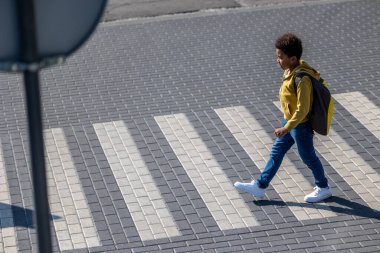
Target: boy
x,y
296,105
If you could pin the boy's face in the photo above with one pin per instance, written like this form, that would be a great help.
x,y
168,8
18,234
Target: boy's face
x,y
285,61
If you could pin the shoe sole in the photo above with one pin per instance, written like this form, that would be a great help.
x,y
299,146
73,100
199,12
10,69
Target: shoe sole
x,y
249,192
319,200
258,197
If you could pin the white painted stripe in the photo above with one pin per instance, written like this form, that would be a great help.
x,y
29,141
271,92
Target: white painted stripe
x,y
8,241
365,111
359,175
349,165
148,209
216,190
289,183
75,227
362,178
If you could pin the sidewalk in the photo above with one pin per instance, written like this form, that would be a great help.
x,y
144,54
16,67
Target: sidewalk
x,y
131,9
149,125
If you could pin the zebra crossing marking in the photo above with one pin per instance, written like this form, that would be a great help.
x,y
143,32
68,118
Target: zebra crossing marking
x,y
216,190
75,227
365,111
349,165
288,183
8,242
148,209
363,179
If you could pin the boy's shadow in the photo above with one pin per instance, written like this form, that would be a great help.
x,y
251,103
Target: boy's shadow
x,y
346,206
15,216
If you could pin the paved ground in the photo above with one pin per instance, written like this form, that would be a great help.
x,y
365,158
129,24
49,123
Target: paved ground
x,y
148,126
127,9
124,9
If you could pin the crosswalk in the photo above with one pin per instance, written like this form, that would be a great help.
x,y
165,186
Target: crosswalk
x,y
352,167
217,191
356,171
362,109
75,227
349,164
148,209
289,183
7,230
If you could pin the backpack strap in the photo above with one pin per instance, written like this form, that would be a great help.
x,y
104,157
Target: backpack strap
x,y
298,78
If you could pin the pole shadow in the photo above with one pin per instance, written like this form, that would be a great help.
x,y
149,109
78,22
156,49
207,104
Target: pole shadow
x,y
15,216
346,206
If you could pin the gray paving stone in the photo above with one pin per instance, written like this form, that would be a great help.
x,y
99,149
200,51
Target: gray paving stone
x,y
256,246
282,248
299,250
320,249
366,249
230,249
148,248
347,246
195,248
173,245
361,239
370,243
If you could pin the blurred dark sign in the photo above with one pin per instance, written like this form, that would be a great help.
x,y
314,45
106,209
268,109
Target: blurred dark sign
x,y
62,26
36,34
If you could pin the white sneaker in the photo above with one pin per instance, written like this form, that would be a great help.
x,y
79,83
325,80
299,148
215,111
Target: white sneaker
x,y
251,188
318,195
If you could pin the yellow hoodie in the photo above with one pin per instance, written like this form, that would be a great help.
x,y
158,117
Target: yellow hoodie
x,y
297,107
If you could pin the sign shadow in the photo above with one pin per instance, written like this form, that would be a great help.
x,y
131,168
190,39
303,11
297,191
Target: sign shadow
x,y
15,216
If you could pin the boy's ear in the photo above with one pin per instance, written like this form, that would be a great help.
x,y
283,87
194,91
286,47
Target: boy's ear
x,y
293,59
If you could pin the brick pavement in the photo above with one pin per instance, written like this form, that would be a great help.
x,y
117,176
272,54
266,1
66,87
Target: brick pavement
x,y
149,125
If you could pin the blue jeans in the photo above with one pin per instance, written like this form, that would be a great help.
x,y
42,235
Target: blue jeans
x,y
302,135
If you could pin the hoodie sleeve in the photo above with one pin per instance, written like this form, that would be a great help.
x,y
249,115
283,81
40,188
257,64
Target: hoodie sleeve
x,y
304,91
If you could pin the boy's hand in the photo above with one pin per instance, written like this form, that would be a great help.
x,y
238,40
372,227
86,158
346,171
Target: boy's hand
x,y
279,132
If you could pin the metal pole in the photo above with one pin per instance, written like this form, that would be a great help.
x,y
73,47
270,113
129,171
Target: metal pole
x,y
26,19
42,215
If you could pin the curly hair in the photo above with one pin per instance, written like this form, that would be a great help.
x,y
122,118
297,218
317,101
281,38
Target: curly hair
x,y
290,44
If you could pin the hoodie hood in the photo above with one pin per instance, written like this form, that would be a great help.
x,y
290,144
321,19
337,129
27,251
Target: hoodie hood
x,y
303,67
